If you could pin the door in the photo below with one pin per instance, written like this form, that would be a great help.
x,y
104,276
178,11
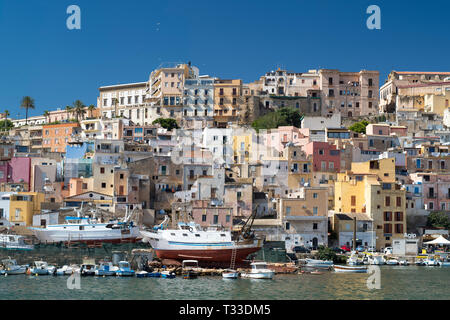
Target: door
x,y
315,243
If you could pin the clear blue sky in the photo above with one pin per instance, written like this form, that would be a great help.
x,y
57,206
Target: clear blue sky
x,y
121,41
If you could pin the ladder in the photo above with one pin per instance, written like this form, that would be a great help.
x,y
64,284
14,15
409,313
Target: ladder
x,y
233,258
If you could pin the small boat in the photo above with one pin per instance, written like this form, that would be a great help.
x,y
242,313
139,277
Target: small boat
x,y
142,274
14,242
259,271
431,262
124,269
154,275
325,264
403,263
190,269
376,260
352,269
354,260
230,274
88,269
67,270
392,262
106,268
11,267
41,268
317,272
445,263
168,274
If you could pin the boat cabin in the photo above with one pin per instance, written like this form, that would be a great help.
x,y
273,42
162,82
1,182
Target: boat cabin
x,y
259,265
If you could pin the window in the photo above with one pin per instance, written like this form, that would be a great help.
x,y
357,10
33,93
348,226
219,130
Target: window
x,y
315,211
387,216
399,216
102,170
314,226
227,218
216,219
204,218
315,195
398,228
387,201
103,185
287,226
353,200
288,210
399,201
388,228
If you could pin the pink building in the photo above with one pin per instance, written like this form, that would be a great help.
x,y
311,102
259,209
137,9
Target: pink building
x,y
378,129
278,138
435,190
16,170
325,157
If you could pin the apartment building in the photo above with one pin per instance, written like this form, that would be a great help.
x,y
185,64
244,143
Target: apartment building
x,y
56,137
352,94
227,101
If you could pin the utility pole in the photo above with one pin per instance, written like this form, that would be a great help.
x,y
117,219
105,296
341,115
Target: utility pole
x,y
354,234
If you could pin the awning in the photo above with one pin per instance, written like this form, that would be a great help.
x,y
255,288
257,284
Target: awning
x,y
440,240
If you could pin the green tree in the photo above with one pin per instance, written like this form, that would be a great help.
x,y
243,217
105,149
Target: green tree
x,y
27,103
359,127
167,123
280,117
327,254
69,110
438,219
46,115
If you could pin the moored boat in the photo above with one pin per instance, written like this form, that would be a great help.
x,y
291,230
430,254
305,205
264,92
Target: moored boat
x,y
259,271
106,268
10,266
41,268
125,269
142,274
350,269
323,264
168,274
230,274
392,262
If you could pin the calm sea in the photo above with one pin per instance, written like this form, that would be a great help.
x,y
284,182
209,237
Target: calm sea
x,y
397,282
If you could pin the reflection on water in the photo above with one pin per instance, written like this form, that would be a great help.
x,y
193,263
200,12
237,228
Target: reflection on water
x,y
396,283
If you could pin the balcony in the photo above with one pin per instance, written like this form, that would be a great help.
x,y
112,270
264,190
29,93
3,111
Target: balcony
x,y
431,196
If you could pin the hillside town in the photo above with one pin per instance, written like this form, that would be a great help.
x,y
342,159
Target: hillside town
x,y
318,158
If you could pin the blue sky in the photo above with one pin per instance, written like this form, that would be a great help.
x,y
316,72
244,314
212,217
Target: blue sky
x,y
123,41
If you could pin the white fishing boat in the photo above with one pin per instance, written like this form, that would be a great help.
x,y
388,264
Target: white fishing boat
x,y
324,264
88,267
354,260
350,269
41,268
67,270
89,229
230,274
392,262
259,270
106,268
10,266
431,262
14,242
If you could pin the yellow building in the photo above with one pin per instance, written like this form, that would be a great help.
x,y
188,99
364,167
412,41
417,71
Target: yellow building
x,y
299,166
22,207
227,99
370,188
244,143
437,103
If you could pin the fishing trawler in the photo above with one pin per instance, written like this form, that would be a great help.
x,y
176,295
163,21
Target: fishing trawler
x,y
89,229
190,241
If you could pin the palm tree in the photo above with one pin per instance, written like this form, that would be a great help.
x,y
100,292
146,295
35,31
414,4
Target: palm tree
x,y
27,103
91,109
6,115
68,110
47,115
78,108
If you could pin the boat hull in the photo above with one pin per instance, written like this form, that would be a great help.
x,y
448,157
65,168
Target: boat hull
x,y
259,275
216,255
230,275
18,270
350,269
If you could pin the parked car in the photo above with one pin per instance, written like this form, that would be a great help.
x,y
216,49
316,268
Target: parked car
x,y
346,248
301,249
371,249
360,248
338,250
387,250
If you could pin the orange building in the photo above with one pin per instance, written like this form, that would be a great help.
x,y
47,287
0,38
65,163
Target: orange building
x,y
55,137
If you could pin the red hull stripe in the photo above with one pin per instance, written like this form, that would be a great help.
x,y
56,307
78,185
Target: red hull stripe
x,y
223,255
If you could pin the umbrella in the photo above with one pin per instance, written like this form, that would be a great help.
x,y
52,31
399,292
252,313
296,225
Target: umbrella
x,y
440,240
